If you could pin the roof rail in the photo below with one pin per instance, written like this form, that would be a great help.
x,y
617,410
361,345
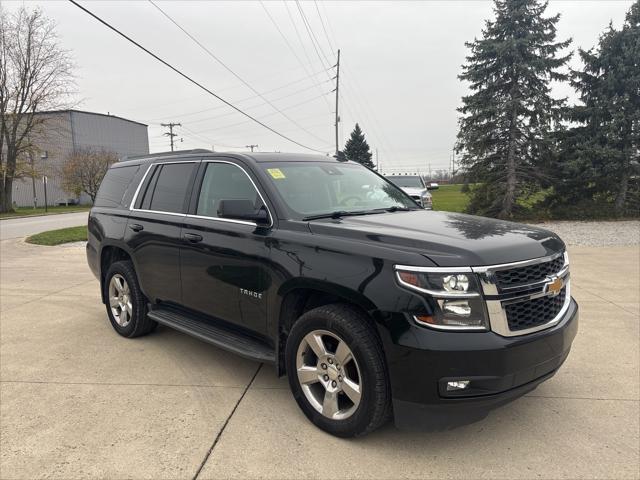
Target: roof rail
x,y
165,154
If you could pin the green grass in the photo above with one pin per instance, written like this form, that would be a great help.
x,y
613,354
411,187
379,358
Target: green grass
x,y
450,198
25,211
57,237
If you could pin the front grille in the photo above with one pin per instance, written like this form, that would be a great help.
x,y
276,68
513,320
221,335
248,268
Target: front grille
x,y
529,274
532,313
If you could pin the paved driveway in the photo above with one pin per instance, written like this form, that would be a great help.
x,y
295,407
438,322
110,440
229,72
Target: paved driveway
x,y
78,401
22,227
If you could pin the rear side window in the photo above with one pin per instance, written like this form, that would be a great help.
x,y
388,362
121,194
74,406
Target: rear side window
x,y
167,191
114,185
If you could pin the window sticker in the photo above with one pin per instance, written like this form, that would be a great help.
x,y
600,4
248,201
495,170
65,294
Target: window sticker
x,y
276,173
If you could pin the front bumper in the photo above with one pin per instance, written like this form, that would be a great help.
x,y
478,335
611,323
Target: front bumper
x,y
500,369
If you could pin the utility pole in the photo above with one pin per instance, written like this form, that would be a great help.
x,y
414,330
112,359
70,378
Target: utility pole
x,y
453,161
251,147
377,161
337,96
170,133
33,180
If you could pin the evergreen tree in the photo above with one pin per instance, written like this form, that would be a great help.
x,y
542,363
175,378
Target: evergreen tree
x,y
600,150
357,148
507,120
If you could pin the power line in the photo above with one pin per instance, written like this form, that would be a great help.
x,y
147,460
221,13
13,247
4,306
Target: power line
x,y
242,80
187,114
261,104
326,35
264,116
167,64
312,35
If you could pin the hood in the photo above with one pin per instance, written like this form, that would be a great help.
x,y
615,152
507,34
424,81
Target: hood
x,y
414,191
447,239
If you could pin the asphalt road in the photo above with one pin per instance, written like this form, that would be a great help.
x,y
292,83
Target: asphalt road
x,y
78,401
22,227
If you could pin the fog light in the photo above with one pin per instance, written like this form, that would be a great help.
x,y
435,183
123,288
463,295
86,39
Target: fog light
x,y
459,385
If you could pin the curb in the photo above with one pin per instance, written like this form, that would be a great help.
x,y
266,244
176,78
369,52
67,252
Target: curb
x,y
42,215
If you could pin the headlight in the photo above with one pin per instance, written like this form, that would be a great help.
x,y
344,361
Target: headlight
x,y
454,297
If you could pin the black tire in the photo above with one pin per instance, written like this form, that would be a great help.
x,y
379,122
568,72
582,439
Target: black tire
x,y
357,331
139,323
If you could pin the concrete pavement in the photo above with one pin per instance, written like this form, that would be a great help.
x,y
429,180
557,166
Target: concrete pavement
x,y
25,226
78,401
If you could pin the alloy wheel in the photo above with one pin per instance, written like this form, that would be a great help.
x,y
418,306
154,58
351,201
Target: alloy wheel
x,y
120,300
329,374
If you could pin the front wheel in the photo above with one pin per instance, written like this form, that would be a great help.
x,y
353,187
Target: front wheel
x,y
337,372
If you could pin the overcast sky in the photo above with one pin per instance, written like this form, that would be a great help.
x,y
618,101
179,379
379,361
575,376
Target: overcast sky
x,y
400,62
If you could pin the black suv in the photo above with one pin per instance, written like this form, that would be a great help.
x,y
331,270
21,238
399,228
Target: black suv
x,y
371,305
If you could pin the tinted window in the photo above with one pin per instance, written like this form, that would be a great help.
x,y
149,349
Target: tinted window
x,y
325,187
171,188
114,185
406,181
223,181
146,192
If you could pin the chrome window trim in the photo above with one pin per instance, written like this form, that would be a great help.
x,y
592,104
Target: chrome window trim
x,y
227,220
140,183
160,212
231,220
204,217
144,177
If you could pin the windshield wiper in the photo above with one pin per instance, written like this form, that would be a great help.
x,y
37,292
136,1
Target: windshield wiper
x,y
345,213
337,214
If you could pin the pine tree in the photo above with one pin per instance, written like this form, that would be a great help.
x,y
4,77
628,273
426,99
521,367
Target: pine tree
x,y
600,150
507,120
357,148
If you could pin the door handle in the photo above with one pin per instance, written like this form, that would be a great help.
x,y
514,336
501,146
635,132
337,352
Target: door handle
x,y
193,237
136,227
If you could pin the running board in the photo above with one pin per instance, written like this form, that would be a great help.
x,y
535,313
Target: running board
x,y
219,336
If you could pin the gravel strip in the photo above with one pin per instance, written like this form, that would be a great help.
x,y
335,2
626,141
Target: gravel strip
x,y
596,234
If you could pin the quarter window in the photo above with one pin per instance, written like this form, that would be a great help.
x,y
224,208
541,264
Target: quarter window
x,y
224,181
167,189
114,185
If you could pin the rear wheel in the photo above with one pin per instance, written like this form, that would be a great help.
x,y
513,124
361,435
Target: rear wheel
x,y
337,372
126,305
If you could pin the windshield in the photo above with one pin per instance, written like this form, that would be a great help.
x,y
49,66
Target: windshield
x,y
312,188
406,181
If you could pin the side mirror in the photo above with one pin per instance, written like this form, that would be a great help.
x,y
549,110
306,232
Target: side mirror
x,y
243,210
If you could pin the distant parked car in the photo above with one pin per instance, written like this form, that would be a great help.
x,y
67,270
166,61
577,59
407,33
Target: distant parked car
x,y
433,186
414,186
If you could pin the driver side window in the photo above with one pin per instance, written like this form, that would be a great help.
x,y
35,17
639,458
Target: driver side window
x,y
224,181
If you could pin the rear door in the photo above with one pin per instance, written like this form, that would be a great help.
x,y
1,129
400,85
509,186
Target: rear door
x,y
224,262
154,227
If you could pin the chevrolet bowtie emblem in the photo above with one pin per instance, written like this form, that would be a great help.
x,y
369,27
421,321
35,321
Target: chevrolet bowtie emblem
x,y
554,287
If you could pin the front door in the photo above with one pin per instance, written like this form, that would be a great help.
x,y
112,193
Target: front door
x,y
224,262
154,226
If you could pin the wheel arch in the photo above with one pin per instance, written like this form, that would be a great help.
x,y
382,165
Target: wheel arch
x,y
302,295
110,254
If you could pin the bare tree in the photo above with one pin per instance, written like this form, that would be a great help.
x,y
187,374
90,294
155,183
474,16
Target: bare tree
x,y
84,170
35,75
